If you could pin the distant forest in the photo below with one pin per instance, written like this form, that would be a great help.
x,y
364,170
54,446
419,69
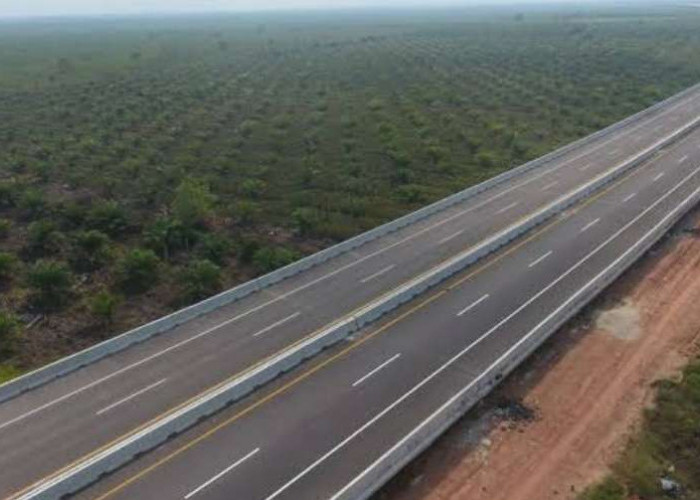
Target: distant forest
x,y
147,163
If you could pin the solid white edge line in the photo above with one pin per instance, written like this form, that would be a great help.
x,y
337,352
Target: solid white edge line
x,y
130,397
115,373
262,306
378,273
476,342
222,473
119,372
590,225
515,346
540,259
276,324
451,237
383,365
283,296
47,483
508,207
473,305
685,100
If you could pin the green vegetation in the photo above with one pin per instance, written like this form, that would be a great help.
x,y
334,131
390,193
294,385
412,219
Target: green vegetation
x,y
50,282
104,305
268,259
666,447
8,266
138,271
163,160
8,332
608,489
8,372
91,250
200,279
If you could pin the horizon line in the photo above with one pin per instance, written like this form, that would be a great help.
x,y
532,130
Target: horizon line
x,y
446,5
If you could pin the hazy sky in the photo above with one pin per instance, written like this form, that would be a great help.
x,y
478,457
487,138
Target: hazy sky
x,y
12,8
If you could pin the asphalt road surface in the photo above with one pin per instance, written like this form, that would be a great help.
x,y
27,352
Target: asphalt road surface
x,y
315,434
310,440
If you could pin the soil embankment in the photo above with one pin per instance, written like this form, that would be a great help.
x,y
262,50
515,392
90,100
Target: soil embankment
x,y
559,421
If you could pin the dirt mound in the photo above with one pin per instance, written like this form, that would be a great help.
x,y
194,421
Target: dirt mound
x,y
622,321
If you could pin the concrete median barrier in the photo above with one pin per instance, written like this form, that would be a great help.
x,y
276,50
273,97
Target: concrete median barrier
x,y
83,358
372,478
92,467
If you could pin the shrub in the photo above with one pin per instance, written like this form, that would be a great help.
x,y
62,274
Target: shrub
x,y
375,104
32,202
8,266
72,215
253,188
281,122
305,220
268,259
5,226
8,372
201,278
51,282
193,202
609,489
91,250
8,194
410,193
167,235
43,238
215,247
138,270
486,159
247,127
9,327
108,217
246,249
103,306
246,211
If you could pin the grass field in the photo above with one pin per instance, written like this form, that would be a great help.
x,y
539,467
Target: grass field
x,y
666,447
149,162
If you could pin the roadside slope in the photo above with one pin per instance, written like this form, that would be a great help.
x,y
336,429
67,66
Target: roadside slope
x,y
587,388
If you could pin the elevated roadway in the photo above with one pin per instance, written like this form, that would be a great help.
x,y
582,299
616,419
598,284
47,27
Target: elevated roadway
x,y
48,428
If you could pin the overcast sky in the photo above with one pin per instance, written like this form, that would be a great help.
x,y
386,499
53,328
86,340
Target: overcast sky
x,y
13,8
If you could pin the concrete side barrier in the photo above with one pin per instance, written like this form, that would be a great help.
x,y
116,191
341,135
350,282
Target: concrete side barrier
x,y
370,480
88,356
91,468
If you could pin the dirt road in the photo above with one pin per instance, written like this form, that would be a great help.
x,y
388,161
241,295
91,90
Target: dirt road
x,y
586,389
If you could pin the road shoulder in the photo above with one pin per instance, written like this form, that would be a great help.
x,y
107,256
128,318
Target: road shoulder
x,y
563,417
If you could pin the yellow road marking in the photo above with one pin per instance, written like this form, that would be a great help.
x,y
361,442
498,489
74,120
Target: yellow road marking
x,y
489,262
270,396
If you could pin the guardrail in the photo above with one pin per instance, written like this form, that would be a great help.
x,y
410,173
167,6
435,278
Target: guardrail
x,y
88,356
368,482
92,467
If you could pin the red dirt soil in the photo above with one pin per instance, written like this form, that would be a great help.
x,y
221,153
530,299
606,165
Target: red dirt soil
x,y
588,386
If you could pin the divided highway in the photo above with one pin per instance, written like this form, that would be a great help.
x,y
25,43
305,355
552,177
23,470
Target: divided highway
x,y
319,435
329,431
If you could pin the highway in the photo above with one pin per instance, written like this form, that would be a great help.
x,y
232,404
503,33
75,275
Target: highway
x,y
44,430
318,432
